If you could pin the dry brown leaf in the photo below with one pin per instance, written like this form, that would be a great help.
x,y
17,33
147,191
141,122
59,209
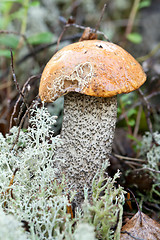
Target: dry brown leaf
x,y
140,227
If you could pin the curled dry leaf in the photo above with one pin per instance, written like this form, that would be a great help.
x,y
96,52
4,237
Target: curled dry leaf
x,y
140,227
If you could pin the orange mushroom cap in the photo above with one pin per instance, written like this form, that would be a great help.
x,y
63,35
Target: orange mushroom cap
x,y
92,67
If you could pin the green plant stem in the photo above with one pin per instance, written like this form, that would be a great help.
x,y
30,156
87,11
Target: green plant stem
x,y
24,22
150,54
132,17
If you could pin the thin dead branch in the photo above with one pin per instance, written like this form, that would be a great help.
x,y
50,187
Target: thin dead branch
x,y
22,120
101,16
148,169
130,159
138,118
14,77
137,205
132,16
123,115
18,89
68,25
129,234
150,54
25,39
19,98
147,110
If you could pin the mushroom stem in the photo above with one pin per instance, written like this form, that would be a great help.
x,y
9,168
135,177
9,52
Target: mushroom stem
x,y
87,135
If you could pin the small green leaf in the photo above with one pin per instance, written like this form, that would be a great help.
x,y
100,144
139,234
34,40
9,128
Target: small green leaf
x,y
145,3
131,122
125,99
133,138
134,38
34,4
119,110
45,37
5,53
12,1
19,14
9,41
131,112
24,130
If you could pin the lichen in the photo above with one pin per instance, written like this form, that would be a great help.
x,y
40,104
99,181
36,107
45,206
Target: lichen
x,y
37,198
150,150
11,229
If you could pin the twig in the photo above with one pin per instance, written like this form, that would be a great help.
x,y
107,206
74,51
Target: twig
x,y
39,49
130,159
23,36
148,106
100,19
133,163
153,205
11,181
138,118
122,116
67,25
48,45
22,120
126,119
21,109
131,235
144,99
10,184
137,205
146,168
18,34
69,208
60,37
21,92
152,95
132,17
14,77
150,54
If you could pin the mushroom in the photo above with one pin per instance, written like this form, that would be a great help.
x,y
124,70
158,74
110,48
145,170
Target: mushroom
x,y
89,74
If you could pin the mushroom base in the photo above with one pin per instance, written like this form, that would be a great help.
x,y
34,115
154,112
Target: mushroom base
x,y
87,135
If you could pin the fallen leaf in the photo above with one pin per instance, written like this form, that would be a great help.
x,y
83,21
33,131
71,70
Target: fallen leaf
x,y
140,227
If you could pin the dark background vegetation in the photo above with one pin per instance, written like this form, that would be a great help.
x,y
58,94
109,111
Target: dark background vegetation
x,y
31,30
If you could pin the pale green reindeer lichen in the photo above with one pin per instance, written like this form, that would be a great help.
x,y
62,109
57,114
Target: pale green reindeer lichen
x,y
41,200
151,152
10,228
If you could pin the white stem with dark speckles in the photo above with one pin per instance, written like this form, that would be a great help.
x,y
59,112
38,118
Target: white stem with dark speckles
x,y
87,134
